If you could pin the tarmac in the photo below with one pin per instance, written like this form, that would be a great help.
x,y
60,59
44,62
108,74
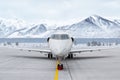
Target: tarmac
x,y
24,65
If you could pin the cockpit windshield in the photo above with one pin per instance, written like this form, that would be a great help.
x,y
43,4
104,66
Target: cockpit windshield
x,y
60,36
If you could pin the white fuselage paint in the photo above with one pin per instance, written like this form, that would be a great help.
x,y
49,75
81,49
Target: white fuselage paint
x,y
60,48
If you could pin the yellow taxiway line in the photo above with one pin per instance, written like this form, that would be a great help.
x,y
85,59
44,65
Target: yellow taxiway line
x,y
56,71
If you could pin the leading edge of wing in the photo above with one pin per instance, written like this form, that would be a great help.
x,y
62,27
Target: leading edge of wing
x,y
36,50
90,49
83,50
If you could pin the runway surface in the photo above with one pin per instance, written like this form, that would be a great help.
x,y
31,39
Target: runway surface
x,y
23,65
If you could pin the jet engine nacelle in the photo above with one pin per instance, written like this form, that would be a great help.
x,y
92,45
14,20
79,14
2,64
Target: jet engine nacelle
x,y
72,39
48,39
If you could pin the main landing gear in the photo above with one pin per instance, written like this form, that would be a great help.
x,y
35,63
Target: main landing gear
x,y
70,56
50,56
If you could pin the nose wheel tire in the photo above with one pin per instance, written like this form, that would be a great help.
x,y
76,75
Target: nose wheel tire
x,y
60,66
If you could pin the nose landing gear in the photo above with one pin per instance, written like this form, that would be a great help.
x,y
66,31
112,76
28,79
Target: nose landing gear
x,y
60,66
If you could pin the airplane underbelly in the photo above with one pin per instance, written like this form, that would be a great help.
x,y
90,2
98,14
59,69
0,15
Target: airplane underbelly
x,y
60,53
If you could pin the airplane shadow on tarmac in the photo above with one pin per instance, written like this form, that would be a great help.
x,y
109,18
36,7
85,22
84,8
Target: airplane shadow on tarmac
x,y
32,57
75,58
90,57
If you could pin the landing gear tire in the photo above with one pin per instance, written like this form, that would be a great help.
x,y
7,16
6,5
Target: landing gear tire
x,y
60,67
50,56
70,56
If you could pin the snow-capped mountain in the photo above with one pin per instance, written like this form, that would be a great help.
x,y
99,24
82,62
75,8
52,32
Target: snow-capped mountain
x,y
7,27
33,31
117,21
19,28
91,27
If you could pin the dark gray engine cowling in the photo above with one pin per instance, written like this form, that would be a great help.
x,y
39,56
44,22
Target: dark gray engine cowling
x,y
48,39
72,39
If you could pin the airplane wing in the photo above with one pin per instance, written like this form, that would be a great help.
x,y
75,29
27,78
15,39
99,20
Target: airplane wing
x,y
37,50
89,49
83,50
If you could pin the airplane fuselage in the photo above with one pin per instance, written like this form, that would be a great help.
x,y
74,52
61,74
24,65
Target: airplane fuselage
x,y
60,47
60,44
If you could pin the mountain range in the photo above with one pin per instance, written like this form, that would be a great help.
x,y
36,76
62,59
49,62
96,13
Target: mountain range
x,y
92,27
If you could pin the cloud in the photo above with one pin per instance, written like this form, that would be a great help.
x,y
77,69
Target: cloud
x,y
58,10
113,4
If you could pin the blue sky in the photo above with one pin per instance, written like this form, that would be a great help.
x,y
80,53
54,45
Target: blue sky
x,y
58,11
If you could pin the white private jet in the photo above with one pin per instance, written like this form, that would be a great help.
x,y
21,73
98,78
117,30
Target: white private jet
x,y
60,45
